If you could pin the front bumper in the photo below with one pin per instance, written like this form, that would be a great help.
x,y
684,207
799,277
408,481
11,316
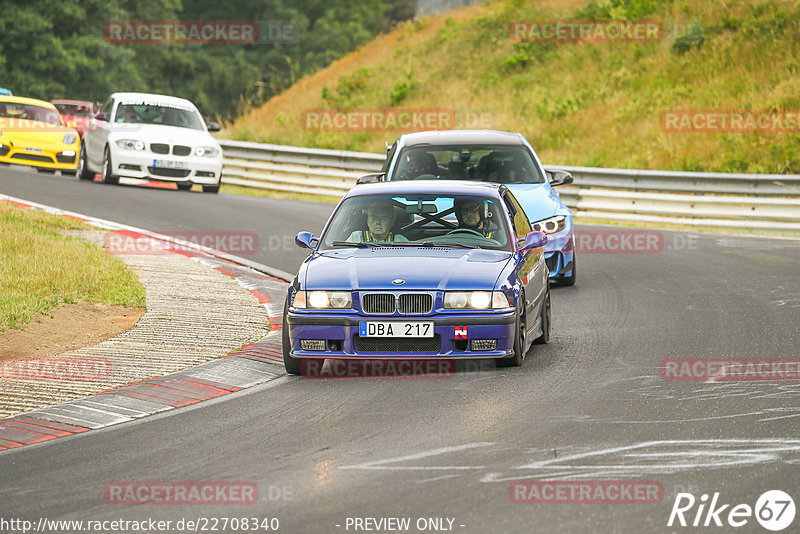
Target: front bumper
x,y
140,164
45,156
342,340
559,253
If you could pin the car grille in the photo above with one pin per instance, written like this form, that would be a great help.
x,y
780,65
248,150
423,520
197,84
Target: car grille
x,y
397,344
159,148
405,303
415,303
65,159
171,173
378,303
552,262
181,150
33,157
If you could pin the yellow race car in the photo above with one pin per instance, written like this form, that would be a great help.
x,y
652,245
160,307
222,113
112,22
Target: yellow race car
x,y
32,132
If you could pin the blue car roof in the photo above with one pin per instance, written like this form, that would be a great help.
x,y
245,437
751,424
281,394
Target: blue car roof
x,y
451,187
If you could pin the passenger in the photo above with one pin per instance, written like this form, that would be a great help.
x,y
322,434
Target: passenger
x,y
380,219
470,216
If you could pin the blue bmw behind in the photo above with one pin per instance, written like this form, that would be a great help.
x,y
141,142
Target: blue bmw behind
x,y
420,270
494,156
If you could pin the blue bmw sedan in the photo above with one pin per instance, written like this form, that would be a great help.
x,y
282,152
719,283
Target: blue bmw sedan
x,y
420,270
494,156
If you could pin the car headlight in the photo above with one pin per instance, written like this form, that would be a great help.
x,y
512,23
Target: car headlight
x,y
70,138
206,151
130,144
338,300
551,225
475,300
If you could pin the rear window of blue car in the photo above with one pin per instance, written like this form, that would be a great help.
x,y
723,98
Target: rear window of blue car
x,y
439,220
483,163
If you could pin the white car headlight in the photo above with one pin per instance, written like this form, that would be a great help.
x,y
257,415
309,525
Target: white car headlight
x,y
130,144
339,300
551,225
206,151
475,300
70,138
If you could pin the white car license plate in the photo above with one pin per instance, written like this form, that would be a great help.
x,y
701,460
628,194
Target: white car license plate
x,y
168,164
395,329
34,149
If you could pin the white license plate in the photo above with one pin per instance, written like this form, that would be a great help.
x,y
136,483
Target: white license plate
x,y
168,164
34,149
395,329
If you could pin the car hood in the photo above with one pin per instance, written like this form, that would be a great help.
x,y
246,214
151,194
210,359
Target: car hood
x,y
156,133
421,269
540,201
34,132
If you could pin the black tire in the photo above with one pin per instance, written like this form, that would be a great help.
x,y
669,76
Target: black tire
x,y
544,318
83,171
211,188
184,186
108,178
519,338
570,280
293,365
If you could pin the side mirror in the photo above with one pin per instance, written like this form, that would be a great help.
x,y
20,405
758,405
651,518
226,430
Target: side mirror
x,y
534,240
100,116
213,127
372,178
559,177
306,240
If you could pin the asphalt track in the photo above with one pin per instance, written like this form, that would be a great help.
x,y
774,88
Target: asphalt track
x,y
590,405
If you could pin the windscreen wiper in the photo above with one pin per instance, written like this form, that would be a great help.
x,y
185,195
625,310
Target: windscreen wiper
x,y
359,244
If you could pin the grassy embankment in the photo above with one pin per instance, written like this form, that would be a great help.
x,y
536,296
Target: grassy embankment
x,y
587,104
41,269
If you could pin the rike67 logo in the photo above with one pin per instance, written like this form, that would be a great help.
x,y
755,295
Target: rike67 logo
x,y
774,510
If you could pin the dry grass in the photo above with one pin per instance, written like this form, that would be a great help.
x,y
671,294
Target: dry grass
x,y
587,104
40,268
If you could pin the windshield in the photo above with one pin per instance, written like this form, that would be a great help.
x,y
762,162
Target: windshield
x,y
15,110
439,220
158,114
76,110
484,163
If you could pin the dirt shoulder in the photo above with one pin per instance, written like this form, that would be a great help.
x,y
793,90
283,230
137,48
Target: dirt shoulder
x,y
68,327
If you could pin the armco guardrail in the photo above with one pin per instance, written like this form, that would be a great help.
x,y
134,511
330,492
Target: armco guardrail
x,y
768,202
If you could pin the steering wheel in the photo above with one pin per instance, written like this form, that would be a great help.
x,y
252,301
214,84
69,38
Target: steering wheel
x,y
465,231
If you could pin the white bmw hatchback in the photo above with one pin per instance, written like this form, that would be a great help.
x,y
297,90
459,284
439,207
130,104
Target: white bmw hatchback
x,y
151,137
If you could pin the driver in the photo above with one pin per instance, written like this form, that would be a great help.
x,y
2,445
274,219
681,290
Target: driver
x,y
470,216
128,115
418,164
380,219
